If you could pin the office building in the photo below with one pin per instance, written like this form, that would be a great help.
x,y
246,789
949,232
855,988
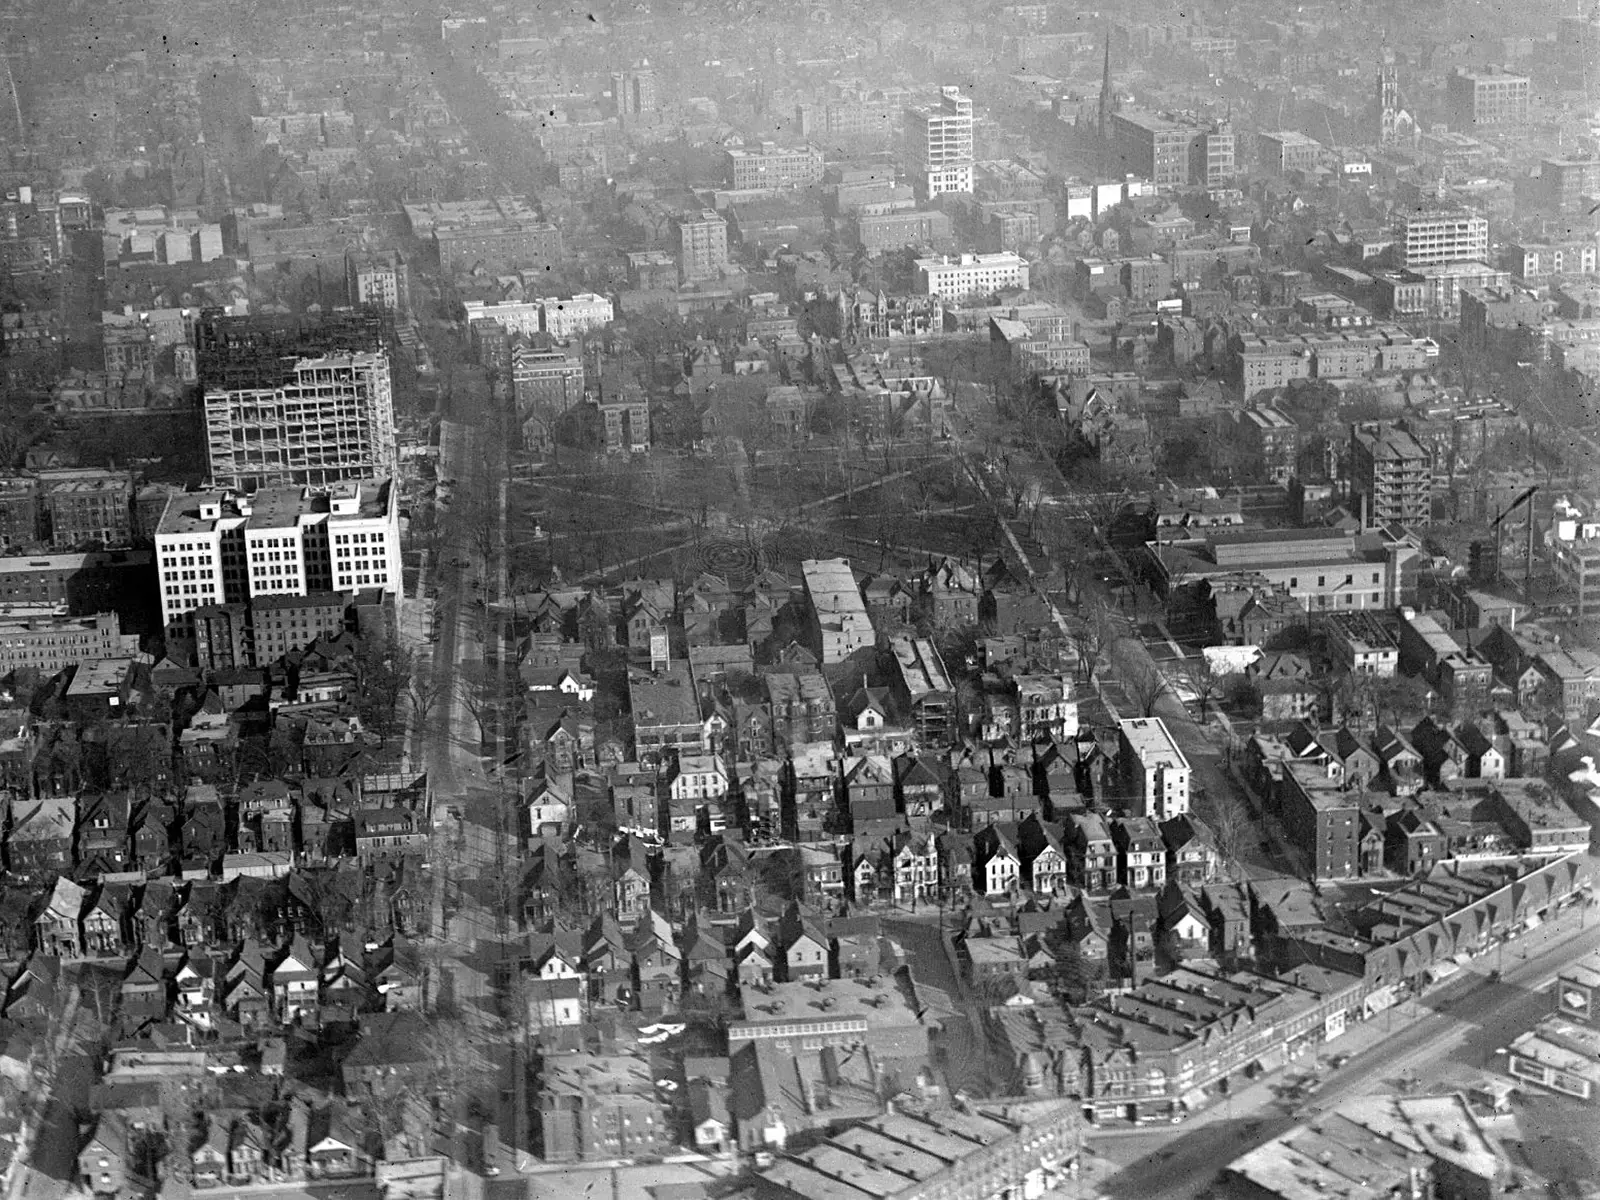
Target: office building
x,y
377,279
1284,150
971,274
261,351
702,246
51,643
571,316
1391,476
1432,238
1476,99
939,155
219,547
84,506
1154,772
117,581
332,419
839,622
770,167
1152,147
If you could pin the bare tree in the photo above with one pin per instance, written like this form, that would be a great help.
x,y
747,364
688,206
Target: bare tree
x,y
424,691
1202,681
1231,825
1091,633
1146,687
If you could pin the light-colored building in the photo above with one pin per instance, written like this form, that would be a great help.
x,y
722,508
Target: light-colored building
x,y
49,644
770,167
1154,771
514,316
1475,99
1153,147
331,420
570,316
1431,238
380,280
838,612
1283,150
219,547
971,274
939,154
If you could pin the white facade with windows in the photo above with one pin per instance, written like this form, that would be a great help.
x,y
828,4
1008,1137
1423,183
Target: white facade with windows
x,y
218,547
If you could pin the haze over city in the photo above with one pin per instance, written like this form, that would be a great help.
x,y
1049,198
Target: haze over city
x,y
720,600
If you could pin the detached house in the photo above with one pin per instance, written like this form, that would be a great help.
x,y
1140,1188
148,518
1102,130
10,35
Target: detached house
x,y
294,983
1044,856
997,860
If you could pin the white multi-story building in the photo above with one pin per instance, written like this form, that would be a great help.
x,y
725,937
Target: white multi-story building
x,y
971,274
567,317
332,420
514,316
939,153
1431,238
1155,773
219,547
377,279
838,611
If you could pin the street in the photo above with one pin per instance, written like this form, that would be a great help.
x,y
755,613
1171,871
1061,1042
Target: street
x,y
1446,1038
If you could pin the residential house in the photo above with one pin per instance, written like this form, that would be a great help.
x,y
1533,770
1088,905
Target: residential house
x,y
997,860
1413,842
294,981
1183,922
1045,868
1403,768
1141,853
1092,852
1193,857
1482,759
922,788
1443,755
59,925
802,945
106,1160
105,923
915,860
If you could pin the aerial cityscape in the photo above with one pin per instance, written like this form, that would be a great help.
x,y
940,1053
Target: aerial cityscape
x,y
700,600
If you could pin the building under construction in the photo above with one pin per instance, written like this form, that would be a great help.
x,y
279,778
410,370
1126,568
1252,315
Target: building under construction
x,y
235,352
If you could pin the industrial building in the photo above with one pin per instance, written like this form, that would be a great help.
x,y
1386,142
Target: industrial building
x,y
1474,99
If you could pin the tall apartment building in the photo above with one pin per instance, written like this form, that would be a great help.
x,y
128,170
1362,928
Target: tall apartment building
x,y
702,245
545,377
1430,239
1213,156
49,644
85,505
220,547
971,274
634,92
332,419
770,167
1154,772
1272,441
939,154
1475,99
379,279
19,512
1391,475
839,618
1152,147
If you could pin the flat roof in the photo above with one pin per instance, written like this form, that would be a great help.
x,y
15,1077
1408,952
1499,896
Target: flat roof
x,y
1153,742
